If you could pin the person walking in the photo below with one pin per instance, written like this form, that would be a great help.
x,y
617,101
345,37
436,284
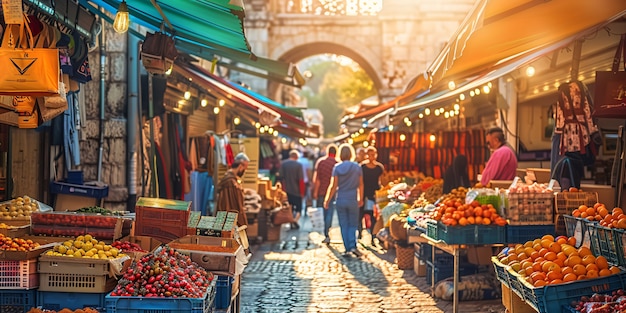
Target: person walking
x,y
346,190
291,176
372,171
321,180
229,189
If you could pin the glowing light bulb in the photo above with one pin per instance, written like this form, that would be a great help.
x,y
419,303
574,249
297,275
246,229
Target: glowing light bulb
x,y
530,71
221,102
457,107
432,138
257,125
451,85
427,111
421,115
216,110
204,103
236,121
486,89
462,97
187,95
122,18
402,137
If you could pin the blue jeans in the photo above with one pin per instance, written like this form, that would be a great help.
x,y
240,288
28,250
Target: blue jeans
x,y
328,214
348,214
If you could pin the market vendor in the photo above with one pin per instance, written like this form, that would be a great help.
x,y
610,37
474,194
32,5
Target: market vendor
x,y
502,164
230,192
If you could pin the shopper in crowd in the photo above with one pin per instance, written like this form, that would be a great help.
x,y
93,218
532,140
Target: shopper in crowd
x,y
291,176
307,173
502,164
360,155
346,189
229,189
372,171
321,181
456,174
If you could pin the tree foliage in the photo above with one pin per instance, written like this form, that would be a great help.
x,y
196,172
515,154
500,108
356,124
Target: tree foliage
x,y
334,87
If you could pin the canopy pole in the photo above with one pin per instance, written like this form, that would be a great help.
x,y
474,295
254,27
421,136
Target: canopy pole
x,y
156,6
578,46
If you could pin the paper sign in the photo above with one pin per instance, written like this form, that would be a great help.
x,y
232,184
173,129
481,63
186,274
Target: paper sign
x,y
12,10
471,196
551,184
514,183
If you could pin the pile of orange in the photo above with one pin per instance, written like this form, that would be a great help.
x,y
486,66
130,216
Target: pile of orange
x,y
599,213
455,212
549,261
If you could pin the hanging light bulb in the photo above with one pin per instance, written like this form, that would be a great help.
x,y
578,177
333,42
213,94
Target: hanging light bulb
x,y
402,137
530,71
169,71
432,138
421,115
486,89
270,130
436,112
462,97
257,125
275,133
221,102
446,114
451,85
457,107
204,103
236,120
409,123
283,140
261,130
216,110
390,127
365,144
427,111
187,95
122,18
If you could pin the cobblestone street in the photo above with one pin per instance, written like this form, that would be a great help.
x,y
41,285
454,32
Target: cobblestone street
x,y
300,274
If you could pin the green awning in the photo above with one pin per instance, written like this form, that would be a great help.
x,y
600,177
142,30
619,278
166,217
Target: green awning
x,y
207,29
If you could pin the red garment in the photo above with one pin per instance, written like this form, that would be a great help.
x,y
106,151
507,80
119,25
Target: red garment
x,y
324,172
230,158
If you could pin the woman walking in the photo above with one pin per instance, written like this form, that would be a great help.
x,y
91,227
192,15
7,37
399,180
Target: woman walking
x,y
346,189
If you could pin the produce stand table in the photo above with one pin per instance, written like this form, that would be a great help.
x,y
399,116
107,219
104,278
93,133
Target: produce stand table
x,y
454,250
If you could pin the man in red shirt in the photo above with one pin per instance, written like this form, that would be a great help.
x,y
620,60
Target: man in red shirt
x,y
323,171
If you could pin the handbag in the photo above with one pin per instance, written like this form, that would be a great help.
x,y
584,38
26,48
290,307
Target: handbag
x,y
610,93
28,70
158,53
283,215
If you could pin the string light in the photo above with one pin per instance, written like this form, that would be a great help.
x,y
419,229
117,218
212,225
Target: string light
x,y
204,103
261,130
402,137
427,111
486,89
216,110
456,106
283,140
236,121
530,71
446,114
187,95
432,138
257,125
471,93
221,102
421,115
436,112
122,18
462,96
390,127
451,85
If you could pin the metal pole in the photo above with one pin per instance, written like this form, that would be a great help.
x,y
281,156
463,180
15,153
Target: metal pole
x,y
132,121
102,96
153,191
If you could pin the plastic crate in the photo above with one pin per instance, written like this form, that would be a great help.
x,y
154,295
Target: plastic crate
x,y
500,269
65,274
566,202
551,298
442,273
619,235
519,213
472,234
579,228
569,309
17,301
91,191
161,305
524,233
441,257
515,283
71,300
19,274
223,291
432,229
605,244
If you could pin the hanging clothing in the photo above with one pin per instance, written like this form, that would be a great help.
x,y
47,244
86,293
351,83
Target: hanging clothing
x,y
201,186
573,118
230,197
70,138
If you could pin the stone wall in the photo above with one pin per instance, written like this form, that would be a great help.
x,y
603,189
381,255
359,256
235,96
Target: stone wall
x,y
114,163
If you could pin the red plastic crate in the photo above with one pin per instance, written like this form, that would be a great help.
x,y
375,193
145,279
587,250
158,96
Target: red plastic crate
x,y
19,274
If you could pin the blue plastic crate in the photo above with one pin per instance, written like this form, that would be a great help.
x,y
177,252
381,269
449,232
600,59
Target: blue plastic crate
x,y
569,309
432,229
72,300
580,229
619,236
161,305
84,190
223,291
17,300
524,233
441,257
552,298
605,243
515,283
442,273
500,271
471,234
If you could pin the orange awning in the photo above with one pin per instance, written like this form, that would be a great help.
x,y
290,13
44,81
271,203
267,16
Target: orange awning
x,y
497,30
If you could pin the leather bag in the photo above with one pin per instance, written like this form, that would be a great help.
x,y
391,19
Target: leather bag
x,y
610,92
28,71
283,215
158,53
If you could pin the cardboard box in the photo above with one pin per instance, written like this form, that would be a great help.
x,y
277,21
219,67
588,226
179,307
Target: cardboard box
x,y
45,244
419,266
212,253
15,229
253,230
513,303
145,242
65,202
542,175
479,255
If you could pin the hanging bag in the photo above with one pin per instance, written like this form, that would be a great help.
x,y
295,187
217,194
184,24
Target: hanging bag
x,y
158,53
610,94
27,71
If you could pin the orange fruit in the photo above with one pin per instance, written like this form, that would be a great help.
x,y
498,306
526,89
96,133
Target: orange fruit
x,y
617,211
592,274
569,277
589,259
486,221
537,267
591,211
529,270
462,221
602,263
582,251
621,223
597,205
550,256
561,240
540,283
581,277
556,282
529,251
528,244
534,255
592,267
579,269
538,276
605,272
543,251
614,269
602,211
571,241
584,215
552,275
566,270
574,260
548,237
576,213
555,247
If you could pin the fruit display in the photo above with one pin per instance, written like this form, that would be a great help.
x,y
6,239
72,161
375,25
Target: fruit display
x,y
435,191
532,188
83,310
602,303
85,247
19,208
74,219
164,273
614,218
455,194
16,244
548,261
452,213
73,224
530,204
127,246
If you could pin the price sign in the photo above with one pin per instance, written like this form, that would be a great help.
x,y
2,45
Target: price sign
x,y
12,10
471,196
